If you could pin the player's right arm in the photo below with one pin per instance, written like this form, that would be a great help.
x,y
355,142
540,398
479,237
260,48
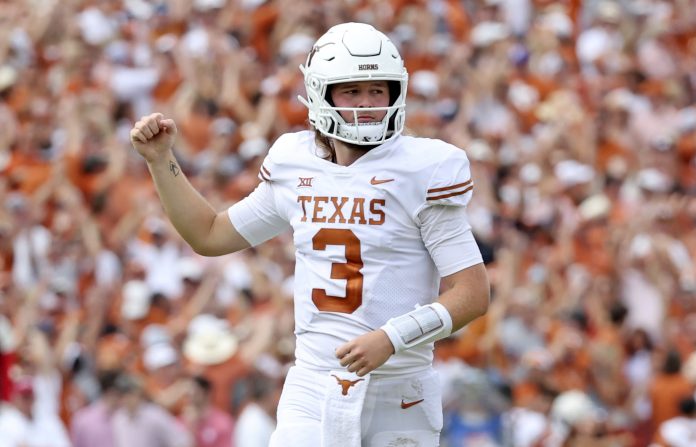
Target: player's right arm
x,y
208,232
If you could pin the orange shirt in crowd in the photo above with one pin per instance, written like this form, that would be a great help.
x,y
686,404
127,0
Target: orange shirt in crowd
x,y
263,19
666,390
223,377
27,173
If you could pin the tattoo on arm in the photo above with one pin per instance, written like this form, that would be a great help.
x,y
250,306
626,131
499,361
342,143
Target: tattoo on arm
x,y
174,169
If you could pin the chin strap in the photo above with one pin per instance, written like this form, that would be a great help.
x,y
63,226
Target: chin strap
x,y
363,133
425,324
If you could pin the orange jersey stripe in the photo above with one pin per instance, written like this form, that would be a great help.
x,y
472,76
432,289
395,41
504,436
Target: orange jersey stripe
x,y
452,194
447,188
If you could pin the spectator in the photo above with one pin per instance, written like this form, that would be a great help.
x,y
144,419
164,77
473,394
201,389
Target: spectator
x,y
24,423
138,422
211,427
679,431
256,421
667,388
93,424
7,357
212,350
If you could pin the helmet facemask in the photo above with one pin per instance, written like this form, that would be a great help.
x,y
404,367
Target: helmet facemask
x,y
354,52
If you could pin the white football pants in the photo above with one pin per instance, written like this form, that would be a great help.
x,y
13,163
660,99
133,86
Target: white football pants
x,y
404,410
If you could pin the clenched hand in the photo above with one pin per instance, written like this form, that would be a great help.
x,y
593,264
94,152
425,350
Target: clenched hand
x,y
153,136
365,353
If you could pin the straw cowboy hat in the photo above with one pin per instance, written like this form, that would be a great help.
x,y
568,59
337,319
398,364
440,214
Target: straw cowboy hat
x,y
209,341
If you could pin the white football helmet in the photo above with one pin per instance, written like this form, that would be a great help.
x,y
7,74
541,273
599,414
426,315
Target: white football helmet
x,y
347,53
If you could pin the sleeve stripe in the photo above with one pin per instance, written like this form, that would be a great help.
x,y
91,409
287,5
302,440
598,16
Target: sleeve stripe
x,y
264,174
452,194
447,188
266,171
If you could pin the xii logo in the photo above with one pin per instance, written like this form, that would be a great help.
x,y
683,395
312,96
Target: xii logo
x,y
305,182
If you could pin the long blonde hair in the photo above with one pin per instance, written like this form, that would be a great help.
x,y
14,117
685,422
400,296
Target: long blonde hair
x,y
324,143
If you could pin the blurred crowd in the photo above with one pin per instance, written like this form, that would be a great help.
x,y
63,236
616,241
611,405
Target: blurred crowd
x,y
579,118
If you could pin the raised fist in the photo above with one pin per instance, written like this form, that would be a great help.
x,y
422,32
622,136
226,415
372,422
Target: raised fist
x,y
153,136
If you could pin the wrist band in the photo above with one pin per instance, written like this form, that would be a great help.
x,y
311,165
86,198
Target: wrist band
x,y
425,324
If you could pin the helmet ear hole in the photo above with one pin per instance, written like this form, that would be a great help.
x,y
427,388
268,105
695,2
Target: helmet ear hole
x,y
327,96
394,91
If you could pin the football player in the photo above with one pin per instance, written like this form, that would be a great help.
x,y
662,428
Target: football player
x,y
379,221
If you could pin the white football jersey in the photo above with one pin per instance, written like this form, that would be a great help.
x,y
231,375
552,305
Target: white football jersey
x,y
360,252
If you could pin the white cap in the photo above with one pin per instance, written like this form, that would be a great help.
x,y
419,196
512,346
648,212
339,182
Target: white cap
x,y
653,180
253,147
155,225
206,5
403,33
687,119
487,33
8,76
166,42
641,246
557,22
223,126
479,150
153,334
425,83
573,406
530,173
136,300
159,355
251,4
572,172
619,98
190,268
523,96
196,42
140,9
609,11
8,343
96,28
297,44
594,207
203,321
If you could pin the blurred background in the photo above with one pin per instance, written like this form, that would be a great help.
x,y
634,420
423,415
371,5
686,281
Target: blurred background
x,y
579,121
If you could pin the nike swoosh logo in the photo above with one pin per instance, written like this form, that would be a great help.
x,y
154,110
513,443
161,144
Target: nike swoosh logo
x,y
374,181
406,405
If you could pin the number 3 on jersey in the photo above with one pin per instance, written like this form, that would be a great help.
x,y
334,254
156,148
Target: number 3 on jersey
x,y
349,270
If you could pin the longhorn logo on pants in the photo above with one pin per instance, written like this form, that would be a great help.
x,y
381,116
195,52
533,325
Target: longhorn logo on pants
x,y
345,384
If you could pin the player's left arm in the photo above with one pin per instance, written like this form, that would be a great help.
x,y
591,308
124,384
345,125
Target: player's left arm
x,y
466,295
448,237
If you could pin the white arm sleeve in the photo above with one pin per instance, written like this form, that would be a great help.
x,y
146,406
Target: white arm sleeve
x,y
257,217
447,235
